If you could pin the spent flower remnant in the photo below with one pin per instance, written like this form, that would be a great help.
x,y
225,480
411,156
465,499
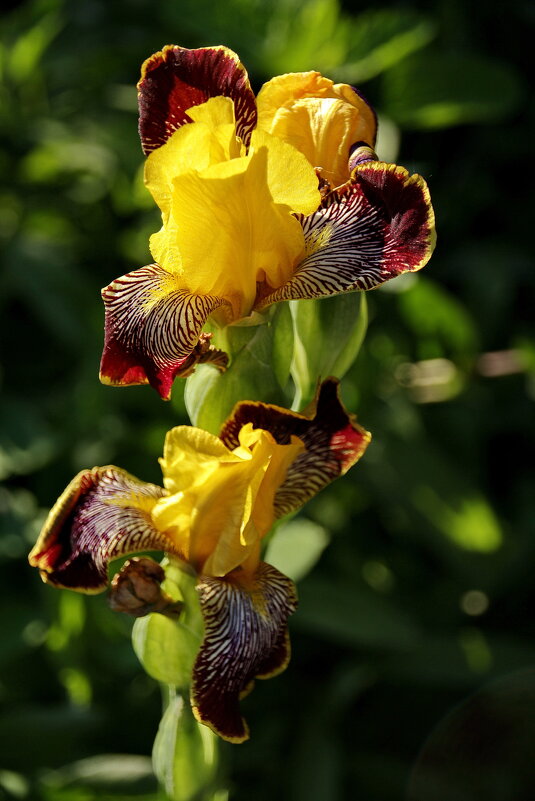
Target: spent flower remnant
x,y
220,498
279,197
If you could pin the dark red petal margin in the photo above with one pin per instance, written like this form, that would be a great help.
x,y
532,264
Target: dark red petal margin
x,y
245,638
104,513
176,79
377,226
333,442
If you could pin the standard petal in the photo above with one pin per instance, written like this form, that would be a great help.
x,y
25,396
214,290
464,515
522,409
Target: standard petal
x,y
104,513
230,233
245,638
176,79
333,442
221,501
210,139
152,329
318,117
379,225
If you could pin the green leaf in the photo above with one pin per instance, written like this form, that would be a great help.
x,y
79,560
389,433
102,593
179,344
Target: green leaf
x,y
185,753
469,523
295,547
328,334
439,90
379,39
105,773
259,363
304,35
167,648
434,314
352,614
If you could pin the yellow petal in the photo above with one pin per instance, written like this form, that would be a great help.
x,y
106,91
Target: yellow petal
x,y
318,117
211,139
291,181
222,501
190,456
230,231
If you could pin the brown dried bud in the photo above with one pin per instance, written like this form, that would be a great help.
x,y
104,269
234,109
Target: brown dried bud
x,y
136,590
203,353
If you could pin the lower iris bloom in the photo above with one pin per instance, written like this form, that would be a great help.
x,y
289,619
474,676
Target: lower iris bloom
x,y
221,496
263,199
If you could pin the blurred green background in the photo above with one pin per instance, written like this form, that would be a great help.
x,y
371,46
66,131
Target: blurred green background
x,y
413,671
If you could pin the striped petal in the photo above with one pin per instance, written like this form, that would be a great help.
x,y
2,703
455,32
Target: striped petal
x,y
245,638
333,442
176,79
104,513
152,330
376,227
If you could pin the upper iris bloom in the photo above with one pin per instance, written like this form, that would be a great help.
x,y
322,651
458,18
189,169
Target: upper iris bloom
x,y
277,198
221,496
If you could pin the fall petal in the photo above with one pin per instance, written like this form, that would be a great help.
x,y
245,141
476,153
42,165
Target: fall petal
x,y
176,79
152,328
104,513
333,442
376,227
245,638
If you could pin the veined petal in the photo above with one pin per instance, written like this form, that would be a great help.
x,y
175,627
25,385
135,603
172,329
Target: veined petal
x,y
318,117
152,329
245,638
104,513
376,227
333,442
176,79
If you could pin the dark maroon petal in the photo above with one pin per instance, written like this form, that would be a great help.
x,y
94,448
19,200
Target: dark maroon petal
x,y
152,330
246,637
376,227
333,442
104,513
176,79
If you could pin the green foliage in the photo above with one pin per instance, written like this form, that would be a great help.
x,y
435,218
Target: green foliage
x,y
388,650
328,334
440,89
260,356
296,546
167,648
185,753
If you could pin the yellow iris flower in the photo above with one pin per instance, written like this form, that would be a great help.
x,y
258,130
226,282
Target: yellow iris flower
x,y
220,498
263,199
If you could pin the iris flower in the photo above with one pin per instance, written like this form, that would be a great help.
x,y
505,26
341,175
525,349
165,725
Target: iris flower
x,y
263,200
221,496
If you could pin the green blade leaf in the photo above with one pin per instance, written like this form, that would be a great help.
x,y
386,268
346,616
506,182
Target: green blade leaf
x,y
185,752
296,546
328,334
439,90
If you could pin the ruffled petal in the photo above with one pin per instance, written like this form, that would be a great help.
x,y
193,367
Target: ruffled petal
x,y
378,226
333,442
176,79
104,513
152,329
245,638
318,117
221,501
